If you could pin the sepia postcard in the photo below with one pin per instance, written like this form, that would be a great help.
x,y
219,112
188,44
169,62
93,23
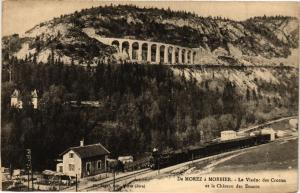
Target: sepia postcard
x,y
149,96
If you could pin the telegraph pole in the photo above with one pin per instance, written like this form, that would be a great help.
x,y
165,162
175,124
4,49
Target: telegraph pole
x,y
31,179
76,182
114,184
192,157
156,158
10,66
28,180
10,171
59,183
158,166
10,72
28,166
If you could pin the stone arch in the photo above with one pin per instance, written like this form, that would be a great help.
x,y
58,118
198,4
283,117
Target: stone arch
x,y
126,48
189,56
170,54
193,58
144,51
162,53
176,55
153,52
116,44
183,52
135,49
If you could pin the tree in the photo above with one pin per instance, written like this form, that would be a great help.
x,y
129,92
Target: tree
x,y
229,97
206,127
227,122
248,97
254,94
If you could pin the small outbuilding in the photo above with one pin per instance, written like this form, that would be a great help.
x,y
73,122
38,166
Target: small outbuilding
x,y
281,133
59,167
228,135
268,130
125,159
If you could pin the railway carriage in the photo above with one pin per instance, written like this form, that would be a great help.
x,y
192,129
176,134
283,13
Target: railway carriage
x,y
161,160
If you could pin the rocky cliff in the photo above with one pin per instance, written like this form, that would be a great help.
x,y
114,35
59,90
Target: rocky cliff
x,y
256,41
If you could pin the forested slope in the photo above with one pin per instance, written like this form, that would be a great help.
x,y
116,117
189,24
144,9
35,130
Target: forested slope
x,y
246,72
141,106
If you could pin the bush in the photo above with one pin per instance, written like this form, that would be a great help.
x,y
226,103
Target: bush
x,y
207,127
227,122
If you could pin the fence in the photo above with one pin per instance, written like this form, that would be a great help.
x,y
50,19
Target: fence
x,y
53,183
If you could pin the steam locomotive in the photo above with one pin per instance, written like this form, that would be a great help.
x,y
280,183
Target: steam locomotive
x,y
161,160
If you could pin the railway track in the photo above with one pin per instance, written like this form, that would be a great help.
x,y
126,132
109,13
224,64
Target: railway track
x,y
107,183
132,176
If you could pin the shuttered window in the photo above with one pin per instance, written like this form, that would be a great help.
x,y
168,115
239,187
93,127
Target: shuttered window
x,y
88,166
71,167
99,164
71,155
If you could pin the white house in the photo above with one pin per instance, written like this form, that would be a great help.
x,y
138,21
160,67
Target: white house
x,y
34,99
15,100
125,159
228,135
84,160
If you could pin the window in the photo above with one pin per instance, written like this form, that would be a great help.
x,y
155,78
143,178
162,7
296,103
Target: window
x,y
71,167
99,164
60,169
88,166
71,155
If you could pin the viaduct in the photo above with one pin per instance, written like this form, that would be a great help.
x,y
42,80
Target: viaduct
x,y
152,52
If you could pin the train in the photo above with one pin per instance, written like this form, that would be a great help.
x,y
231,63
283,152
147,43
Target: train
x,y
161,160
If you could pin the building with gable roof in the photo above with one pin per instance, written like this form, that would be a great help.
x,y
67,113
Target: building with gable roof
x,y
34,99
16,102
84,160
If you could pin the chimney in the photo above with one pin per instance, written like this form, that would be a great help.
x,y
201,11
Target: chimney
x,y
82,143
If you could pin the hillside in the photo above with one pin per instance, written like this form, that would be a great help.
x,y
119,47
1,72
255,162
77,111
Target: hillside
x,y
247,73
256,41
142,106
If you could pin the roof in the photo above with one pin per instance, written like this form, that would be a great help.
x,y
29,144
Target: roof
x,y
34,94
52,173
228,131
88,151
125,157
15,94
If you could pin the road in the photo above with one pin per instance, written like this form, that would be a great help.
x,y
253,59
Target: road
x,y
267,123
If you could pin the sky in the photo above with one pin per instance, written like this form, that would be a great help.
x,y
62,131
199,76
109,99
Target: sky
x,y
19,16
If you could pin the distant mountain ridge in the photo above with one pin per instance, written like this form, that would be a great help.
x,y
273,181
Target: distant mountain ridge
x,y
255,41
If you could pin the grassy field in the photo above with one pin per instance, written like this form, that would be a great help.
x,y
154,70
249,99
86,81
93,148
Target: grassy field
x,y
273,156
276,160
